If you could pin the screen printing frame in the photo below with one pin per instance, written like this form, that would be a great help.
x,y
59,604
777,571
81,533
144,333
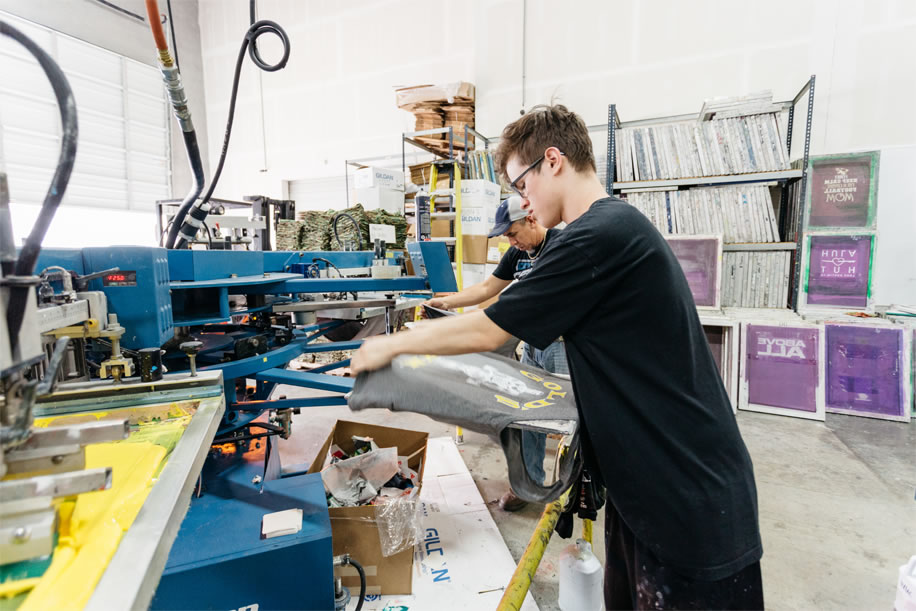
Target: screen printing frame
x,y
812,222
745,402
717,286
906,362
731,352
804,305
133,573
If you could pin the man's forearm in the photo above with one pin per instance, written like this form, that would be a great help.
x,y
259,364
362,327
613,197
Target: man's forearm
x,y
468,297
473,332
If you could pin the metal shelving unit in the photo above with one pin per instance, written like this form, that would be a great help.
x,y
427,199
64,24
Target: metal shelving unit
x,y
758,246
411,138
731,179
784,177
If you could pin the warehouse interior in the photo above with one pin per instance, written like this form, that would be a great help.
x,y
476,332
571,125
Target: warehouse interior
x,y
502,304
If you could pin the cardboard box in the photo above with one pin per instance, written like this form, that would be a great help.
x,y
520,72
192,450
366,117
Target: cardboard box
x,y
440,228
375,198
479,201
481,194
474,248
353,529
471,274
496,248
408,97
366,178
474,221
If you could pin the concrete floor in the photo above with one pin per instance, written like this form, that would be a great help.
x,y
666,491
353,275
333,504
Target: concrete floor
x,y
837,509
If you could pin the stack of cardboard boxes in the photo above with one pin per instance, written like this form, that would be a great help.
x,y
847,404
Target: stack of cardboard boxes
x,y
479,201
444,105
379,188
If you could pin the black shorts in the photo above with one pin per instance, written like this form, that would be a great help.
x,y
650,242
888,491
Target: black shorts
x,y
634,578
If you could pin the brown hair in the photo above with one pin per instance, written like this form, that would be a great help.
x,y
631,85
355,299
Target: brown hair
x,y
541,128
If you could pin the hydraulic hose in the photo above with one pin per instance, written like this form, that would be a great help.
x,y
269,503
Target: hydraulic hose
x,y
359,235
362,583
175,90
362,580
257,29
184,227
66,103
155,24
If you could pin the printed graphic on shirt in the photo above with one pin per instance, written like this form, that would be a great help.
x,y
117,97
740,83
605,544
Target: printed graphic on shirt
x,y
522,268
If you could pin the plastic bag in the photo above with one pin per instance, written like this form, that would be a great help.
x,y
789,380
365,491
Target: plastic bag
x,y
357,480
398,522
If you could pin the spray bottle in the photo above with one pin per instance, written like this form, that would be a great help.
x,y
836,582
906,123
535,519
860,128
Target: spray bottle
x,y
581,579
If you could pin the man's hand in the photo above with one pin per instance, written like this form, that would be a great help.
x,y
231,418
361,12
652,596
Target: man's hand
x,y
435,302
375,353
438,302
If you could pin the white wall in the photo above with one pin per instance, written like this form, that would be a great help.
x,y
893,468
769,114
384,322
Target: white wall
x,y
894,277
662,57
335,99
651,57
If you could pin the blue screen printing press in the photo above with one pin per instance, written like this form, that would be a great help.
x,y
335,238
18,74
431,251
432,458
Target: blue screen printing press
x,y
173,353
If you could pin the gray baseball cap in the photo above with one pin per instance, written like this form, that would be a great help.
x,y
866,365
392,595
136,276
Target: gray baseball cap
x,y
508,212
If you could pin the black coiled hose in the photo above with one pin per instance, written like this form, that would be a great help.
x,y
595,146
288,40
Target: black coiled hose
x,y
249,44
25,263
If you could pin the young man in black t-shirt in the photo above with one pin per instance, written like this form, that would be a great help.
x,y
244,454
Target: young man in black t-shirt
x,y
527,239
681,520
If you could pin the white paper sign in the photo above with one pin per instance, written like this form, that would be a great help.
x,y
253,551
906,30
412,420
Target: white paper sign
x,y
382,232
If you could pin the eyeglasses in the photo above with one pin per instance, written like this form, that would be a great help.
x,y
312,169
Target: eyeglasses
x,y
523,190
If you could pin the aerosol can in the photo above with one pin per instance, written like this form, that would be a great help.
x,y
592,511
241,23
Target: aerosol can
x,y
422,206
581,579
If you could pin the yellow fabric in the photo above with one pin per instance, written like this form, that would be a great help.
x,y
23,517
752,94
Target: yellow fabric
x,y
91,526
14,588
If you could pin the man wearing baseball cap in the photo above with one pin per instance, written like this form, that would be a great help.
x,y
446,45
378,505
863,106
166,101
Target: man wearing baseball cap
x,y
527,240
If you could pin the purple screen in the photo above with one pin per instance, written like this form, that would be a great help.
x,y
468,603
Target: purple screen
x,y
782,367
865,369
840,192
838,270
699,258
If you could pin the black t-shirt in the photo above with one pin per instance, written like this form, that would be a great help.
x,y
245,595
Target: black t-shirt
x,y
660,428
516,264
